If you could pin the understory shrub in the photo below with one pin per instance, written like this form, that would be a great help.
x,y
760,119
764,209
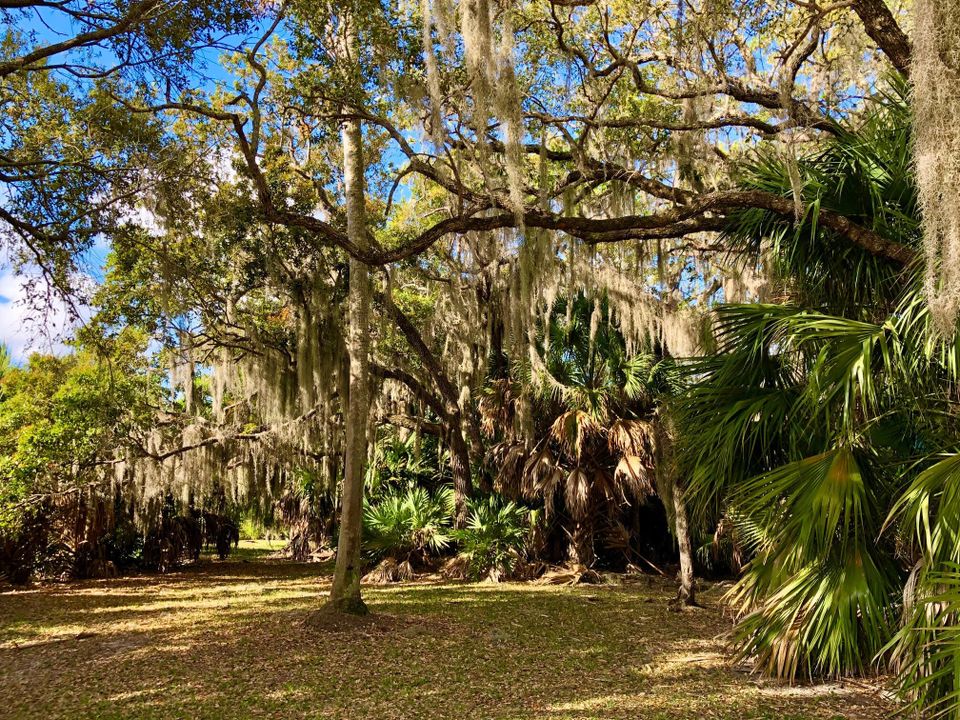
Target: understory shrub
x,y
493,543
405,530
23,538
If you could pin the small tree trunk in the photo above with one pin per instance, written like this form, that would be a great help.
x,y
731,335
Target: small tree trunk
x,y
462,481
687,593
345,594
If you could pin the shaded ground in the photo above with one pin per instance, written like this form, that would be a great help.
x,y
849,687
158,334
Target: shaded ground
x,y
226,640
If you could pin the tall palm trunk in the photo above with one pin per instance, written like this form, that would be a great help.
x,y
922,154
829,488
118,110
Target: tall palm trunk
x,y
345,594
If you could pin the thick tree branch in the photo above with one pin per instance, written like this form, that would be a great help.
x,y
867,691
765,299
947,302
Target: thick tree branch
x,y
702,213
414,423
882,27
447,391
414,385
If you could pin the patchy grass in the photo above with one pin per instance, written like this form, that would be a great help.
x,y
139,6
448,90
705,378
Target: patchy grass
x,y
227,640
250,550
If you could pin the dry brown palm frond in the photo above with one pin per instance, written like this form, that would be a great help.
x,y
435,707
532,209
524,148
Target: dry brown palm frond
x,y
389,570
576,494
615,536
538,472
510,457
558,576
725,541
571,429
602,486
456,568
528,569
575,575
496,408
632,437
634,473
542,475
550,493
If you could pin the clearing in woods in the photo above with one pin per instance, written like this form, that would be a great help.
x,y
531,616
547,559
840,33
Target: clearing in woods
x,y
228,640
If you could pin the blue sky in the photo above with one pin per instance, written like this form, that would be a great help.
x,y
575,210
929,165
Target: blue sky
x,y
20,328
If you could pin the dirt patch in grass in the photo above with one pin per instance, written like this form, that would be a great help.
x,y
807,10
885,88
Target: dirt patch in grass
x,y
228,640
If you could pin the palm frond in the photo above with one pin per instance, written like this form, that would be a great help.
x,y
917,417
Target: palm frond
x,y
816,598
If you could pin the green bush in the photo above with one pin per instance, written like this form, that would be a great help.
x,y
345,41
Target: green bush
x,y
252,529
124,544
495,538
408,525
23,540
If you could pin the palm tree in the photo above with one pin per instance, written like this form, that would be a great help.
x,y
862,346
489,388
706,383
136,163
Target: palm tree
x,y
584,435
817,429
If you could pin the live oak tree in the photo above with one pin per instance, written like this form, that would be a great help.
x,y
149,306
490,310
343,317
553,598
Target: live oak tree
x,y
480,169
494,157
345,593
374,209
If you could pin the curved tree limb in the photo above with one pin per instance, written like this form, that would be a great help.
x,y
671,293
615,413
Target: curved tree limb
x,y
882,27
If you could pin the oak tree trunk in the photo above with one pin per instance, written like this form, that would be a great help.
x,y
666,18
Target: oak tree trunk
x,y
462,480
345,594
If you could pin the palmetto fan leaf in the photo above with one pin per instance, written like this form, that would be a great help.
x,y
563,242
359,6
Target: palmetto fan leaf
x,y
926,650
821,502
734,419
787,380
510,456
576,493
819,416
494,539
864,174
496,406
826,619
816,598
402,524
635,473
542,476
844,362
931,507
927,347
632,437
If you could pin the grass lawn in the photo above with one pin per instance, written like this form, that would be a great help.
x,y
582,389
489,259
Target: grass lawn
x,y
227,640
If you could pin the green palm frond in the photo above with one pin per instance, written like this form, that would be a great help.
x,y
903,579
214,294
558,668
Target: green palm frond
x,y
494,538
926,650
931,507
406,522
816,598
865,174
